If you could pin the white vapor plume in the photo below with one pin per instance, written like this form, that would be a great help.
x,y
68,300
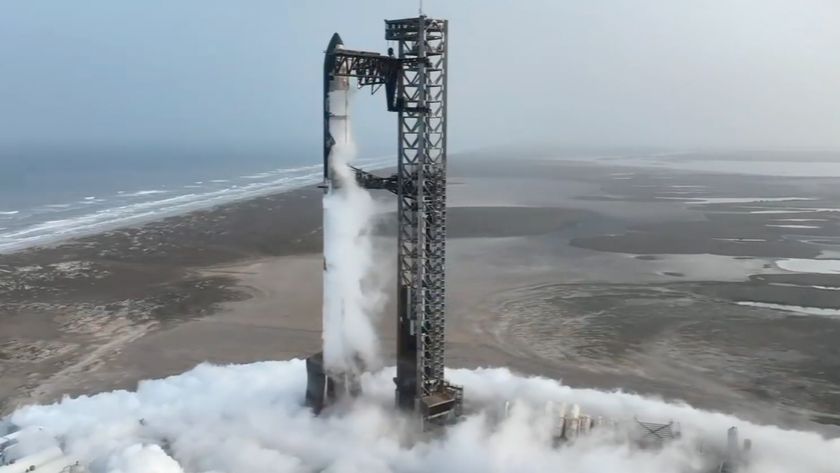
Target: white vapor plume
x,y
251,419
351,299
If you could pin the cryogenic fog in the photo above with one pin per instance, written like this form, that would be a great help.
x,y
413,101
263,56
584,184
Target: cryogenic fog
x,y
251,419
352,295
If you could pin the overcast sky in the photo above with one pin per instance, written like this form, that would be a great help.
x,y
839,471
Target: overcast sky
x,y
195,73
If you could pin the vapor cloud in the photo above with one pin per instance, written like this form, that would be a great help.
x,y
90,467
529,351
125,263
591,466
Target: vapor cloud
x,y
351,296
251,419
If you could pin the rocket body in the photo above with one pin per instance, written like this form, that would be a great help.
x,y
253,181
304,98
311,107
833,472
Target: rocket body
x,y
349,338
336,88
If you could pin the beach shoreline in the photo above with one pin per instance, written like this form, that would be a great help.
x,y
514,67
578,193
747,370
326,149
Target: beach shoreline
x,y
538,268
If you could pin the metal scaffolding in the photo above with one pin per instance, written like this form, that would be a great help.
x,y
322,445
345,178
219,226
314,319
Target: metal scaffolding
x,y
421,262
415,84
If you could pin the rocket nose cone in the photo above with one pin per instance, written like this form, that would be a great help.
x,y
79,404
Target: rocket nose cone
x,y
335,42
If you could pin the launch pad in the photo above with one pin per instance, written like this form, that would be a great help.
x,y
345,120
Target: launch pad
x,y
415,81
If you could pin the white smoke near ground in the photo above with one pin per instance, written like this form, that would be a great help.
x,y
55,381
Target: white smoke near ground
x,y
351,297
251,419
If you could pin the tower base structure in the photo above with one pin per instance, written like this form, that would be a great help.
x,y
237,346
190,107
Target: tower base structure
x,y
324,388
442,406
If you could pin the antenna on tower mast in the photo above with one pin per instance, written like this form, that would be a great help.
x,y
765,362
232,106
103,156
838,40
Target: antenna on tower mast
x,y
420,8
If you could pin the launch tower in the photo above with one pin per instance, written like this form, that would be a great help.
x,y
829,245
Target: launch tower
x,y
415,79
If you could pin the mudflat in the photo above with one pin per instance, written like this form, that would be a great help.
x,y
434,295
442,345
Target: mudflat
x,y
600,272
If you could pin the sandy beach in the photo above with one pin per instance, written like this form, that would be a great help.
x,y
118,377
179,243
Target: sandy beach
x,y
602,274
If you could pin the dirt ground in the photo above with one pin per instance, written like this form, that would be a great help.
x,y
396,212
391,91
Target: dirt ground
x,y
600,275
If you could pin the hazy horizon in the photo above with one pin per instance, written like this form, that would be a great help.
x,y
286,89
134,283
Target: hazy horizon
x,y
206,74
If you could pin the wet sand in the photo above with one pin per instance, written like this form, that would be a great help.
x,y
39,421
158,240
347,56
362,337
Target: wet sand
x,y
593,274
67,311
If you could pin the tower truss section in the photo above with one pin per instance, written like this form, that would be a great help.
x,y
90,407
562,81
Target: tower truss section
x,y
414,78
421,211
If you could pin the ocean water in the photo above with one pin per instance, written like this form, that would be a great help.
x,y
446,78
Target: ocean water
x,y
51,195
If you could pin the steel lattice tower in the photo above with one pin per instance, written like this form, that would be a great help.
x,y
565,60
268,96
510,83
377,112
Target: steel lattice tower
x,y
421,208
415,85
